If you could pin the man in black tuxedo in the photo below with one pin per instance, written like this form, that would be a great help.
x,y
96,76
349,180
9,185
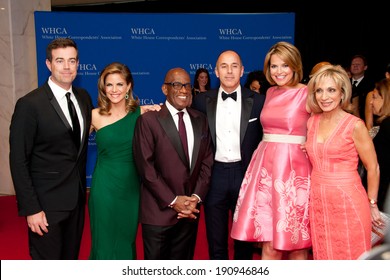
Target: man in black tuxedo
x,y
233,114
48,157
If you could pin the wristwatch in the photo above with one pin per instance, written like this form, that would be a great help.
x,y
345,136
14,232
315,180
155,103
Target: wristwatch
x,y
372,201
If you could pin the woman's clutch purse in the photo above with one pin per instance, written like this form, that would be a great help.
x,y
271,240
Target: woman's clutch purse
x,y
378,233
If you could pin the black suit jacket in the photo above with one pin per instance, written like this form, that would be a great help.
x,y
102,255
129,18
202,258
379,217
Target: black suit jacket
x,y
364,87
163,167
251,130
48,172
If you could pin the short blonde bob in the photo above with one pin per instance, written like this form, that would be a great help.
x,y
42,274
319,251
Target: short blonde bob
x,y
339,76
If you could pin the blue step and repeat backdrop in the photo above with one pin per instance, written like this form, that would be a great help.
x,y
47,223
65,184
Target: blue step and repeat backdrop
x,y
151,44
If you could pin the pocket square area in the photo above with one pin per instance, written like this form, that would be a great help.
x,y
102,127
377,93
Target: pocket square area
x,y
252,120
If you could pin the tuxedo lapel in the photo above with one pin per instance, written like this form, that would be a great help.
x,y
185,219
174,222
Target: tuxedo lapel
x,y
53,101
246,109
83,110
197,129
167,123
57,108
211,109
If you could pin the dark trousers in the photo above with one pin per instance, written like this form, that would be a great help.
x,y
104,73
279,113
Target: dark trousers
x,y
63,240
219,209
175,242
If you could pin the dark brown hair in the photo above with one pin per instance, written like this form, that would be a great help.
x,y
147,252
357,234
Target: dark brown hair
x,y
60,43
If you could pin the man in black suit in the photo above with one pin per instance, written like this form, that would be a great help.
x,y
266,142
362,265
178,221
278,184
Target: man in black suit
x,y
48,157
233,115
361,85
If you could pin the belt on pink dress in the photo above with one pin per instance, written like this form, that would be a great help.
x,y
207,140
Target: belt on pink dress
x,y
284,138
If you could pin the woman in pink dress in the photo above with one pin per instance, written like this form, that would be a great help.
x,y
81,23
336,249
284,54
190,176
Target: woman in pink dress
x,y
273,202
340,209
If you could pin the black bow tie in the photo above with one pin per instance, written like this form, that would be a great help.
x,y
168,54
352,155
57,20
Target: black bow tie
x,y
233,95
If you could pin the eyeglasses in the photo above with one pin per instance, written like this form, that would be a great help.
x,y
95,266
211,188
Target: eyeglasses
x,y
179,86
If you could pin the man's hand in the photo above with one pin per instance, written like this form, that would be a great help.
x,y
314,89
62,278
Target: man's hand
x,y
185,206
38,223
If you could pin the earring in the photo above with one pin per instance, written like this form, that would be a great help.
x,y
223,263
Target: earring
x,y
127,95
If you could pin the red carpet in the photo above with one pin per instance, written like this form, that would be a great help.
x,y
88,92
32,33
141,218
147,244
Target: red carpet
x,y
13,235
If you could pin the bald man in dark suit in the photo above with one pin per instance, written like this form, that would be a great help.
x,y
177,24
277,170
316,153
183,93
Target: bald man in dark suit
x,y
173,185
233,114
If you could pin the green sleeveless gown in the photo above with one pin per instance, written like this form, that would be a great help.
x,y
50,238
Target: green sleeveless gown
x,y
114,196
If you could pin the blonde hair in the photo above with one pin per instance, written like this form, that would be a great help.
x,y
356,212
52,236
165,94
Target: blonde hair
x,y
103,101
290,55
339,76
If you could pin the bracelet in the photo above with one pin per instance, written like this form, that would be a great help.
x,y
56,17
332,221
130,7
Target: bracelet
x,y
372,202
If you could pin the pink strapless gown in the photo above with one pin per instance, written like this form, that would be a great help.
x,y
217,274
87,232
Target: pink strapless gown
x,y
273,199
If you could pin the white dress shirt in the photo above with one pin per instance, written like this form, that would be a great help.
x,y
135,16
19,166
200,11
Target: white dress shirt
x,y
228,121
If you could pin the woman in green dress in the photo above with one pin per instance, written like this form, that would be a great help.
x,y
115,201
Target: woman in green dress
x,y
114,196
